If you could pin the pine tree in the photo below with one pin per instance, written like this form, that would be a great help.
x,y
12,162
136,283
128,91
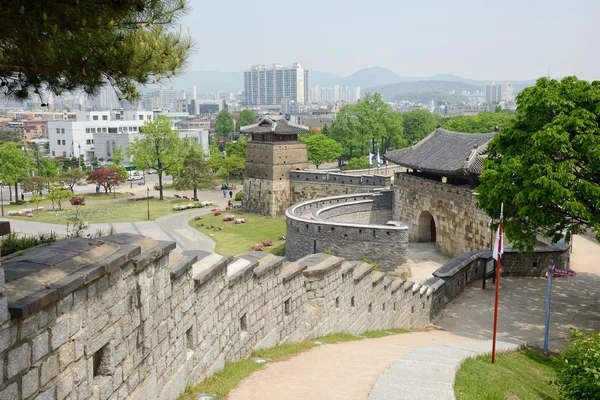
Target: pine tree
x,y
65,45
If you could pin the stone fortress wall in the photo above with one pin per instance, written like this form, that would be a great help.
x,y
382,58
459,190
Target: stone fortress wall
x,y
357,226
125,316
460,226
308,185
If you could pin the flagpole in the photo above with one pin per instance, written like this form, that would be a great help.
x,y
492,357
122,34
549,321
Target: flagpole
x,y
497,283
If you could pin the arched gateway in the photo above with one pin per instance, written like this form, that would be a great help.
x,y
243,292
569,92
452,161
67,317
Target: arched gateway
x,y
426,228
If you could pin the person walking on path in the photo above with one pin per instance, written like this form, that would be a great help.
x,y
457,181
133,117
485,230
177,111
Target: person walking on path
x,y
224,194
231,194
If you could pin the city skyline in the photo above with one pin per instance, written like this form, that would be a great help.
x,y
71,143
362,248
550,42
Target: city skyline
x,y
509,40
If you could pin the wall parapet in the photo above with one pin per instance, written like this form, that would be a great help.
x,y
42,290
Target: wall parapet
x,y
341,178
310,228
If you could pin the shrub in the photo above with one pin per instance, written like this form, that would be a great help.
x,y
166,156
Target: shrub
x,y
356,163
238,196
579,369
327,251
373,263
13,242
140,198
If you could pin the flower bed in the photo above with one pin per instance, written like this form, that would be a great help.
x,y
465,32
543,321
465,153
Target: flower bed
x,y
25,212
190,206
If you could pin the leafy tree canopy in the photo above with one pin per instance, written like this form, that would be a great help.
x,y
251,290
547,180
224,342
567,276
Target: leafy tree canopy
x,y
481,123
224,123
357,125
108,177
49,168
10,135
14,163
194,172
321,149
418,124
34,184
158,147
59,195
246,118
237,148
545,167
118,156
65,45
71,178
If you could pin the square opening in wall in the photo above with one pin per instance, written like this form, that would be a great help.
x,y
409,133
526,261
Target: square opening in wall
x,y
383,307
286,307
412,309
337,302
189,336
394,306
352,301
244,323
370,307
101,360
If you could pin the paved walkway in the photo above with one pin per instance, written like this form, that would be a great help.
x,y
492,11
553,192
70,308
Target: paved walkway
x,y
344,371
428,373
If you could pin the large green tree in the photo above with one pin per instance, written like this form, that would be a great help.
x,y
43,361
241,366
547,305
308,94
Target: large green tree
x,y
418,124
10,135
232,164
369,123
64,45
49,169
246,118
158,147
545,167
224,123
480,123
14,165
320,148
194,172
237,148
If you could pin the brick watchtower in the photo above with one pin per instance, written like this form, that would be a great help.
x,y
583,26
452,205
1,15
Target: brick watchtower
x,y
272,153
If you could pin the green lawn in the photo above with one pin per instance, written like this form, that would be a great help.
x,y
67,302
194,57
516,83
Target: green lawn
x,y
234,239
122,211
221,383
518,375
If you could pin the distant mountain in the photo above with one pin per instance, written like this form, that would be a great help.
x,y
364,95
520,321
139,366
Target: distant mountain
x,y
454,78
373,76
323,78
399,91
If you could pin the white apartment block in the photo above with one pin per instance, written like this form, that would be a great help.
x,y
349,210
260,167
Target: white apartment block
x,y
99,133
90,134
499,92
264,86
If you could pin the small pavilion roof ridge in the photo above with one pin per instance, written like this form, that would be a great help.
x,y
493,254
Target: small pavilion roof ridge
x,y
277,125
446,152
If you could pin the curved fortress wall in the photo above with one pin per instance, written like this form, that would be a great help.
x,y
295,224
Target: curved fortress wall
x,y
460,226
355,226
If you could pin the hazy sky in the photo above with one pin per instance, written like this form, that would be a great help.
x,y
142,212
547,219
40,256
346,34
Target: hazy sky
x,y
479,39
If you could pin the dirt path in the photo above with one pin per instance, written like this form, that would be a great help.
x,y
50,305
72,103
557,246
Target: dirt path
x,y
344,371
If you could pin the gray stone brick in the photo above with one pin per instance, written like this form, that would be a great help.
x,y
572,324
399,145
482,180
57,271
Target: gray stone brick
x,y
10,393
39,346
8,336
30,382
66,355
59,334
49,369
80,372
64,387
47,395
18,360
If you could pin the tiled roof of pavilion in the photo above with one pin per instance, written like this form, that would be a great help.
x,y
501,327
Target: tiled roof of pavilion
x,y
276,125
446,152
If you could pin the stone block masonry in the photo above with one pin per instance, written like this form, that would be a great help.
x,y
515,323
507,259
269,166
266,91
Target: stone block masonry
x,y
357,226
459,225
128,317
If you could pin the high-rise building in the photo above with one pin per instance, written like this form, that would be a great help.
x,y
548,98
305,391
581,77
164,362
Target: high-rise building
x,y
264,86
496,93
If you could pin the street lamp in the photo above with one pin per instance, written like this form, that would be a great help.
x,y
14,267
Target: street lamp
x,y
78,153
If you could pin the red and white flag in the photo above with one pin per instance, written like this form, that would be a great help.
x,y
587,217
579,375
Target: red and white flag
x,y
499,242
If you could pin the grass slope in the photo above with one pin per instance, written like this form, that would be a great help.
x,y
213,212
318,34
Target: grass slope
x,y
234,239
518,375
120,211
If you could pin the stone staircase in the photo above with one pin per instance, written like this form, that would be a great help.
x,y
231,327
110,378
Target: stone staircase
x,y
428,373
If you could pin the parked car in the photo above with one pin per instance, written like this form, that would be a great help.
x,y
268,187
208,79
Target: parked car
x,y
152,171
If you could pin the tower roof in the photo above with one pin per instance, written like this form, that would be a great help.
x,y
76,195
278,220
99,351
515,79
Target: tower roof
x,y
276,125
446,152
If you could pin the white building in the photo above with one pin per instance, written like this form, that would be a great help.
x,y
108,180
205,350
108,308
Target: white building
x,y
75,138
496,93
264,86
99,133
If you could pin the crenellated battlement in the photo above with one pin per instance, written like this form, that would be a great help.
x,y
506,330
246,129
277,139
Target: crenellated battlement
x,y
130,317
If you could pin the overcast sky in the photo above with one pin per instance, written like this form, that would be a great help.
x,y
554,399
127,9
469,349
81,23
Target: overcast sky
x,y
478,39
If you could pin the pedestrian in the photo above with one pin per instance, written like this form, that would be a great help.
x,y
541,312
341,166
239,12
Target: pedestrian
x,y
231,194
224,194
23,196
